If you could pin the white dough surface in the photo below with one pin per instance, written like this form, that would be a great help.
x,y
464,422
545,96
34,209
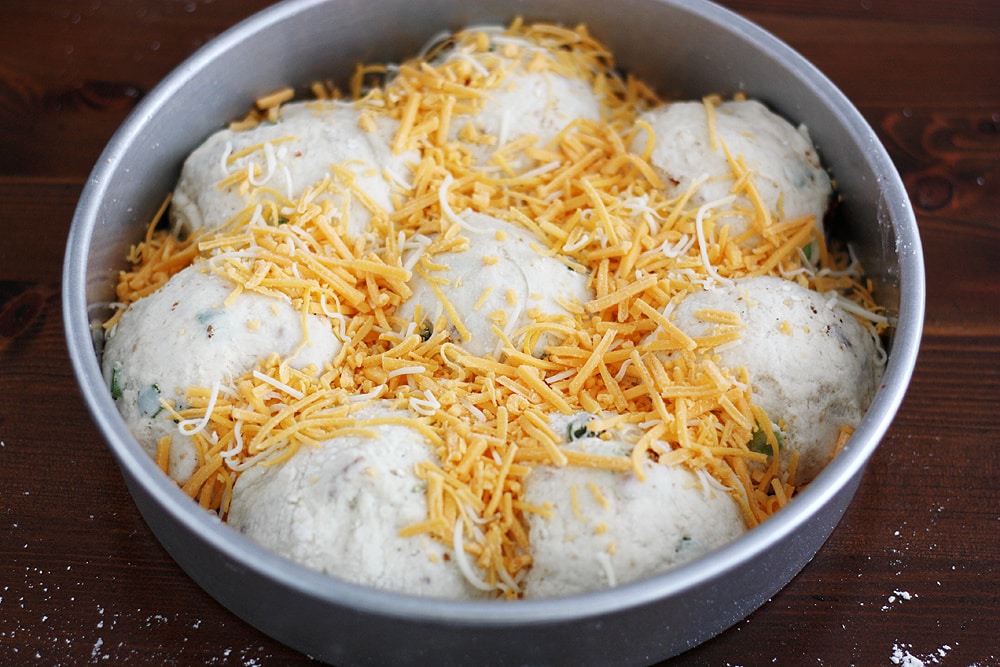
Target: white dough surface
x,y
627,530
536,281
813,367
526,101
338,508
292,154
785,165
183,335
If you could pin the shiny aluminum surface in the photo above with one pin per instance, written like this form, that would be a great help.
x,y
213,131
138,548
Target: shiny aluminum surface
x,y
684,49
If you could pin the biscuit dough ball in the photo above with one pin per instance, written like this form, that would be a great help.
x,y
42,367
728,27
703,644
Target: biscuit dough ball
x,y
309,142
526,98
608,528
338,508
184,335
785,165
813,367
501,280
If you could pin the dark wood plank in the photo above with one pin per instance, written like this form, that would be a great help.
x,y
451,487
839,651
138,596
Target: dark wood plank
x,y
907,63
60,107
70,72
30,207
81,575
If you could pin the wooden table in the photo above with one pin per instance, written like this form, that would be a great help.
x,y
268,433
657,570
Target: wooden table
x,y
913,571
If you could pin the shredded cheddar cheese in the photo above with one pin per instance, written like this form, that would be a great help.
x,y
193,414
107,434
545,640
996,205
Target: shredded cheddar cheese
x,y
591,202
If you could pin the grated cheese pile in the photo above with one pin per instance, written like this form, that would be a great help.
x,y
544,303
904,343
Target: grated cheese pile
x,y
617,363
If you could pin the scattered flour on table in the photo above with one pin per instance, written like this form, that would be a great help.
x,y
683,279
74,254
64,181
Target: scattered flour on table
x,y
897,597
97,648
901,656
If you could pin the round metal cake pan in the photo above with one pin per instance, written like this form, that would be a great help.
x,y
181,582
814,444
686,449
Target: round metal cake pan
x,y
684,49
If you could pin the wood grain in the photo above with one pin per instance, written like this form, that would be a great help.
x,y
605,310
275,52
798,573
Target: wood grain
x,y
913,570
